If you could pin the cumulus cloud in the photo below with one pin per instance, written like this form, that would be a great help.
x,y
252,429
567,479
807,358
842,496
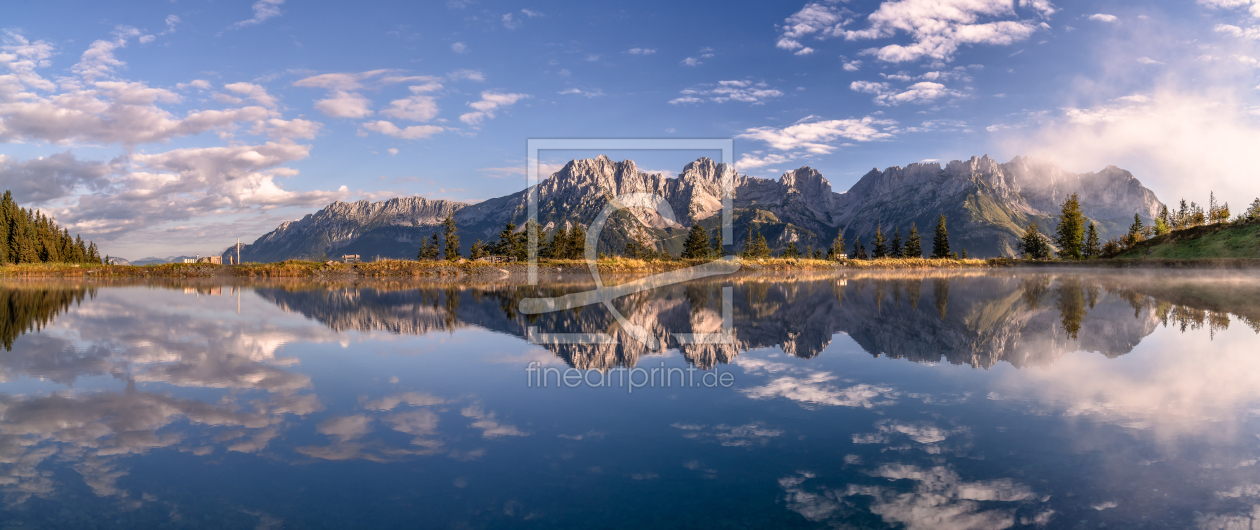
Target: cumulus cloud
x,y
414,132
486,422
294,129
254,92
586,93
937,28
641,51
813,135
922,92
193,182
815,389
818,19
263,10
754,92
489,103
459,47
99,60
53,177
1103,17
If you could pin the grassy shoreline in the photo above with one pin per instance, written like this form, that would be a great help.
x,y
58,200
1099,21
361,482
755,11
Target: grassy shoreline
x,y
452,270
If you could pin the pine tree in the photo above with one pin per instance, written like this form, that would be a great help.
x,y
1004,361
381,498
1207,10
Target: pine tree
x,y
859,250
1165,219
451,237
879,247
1092,247
697,244
940,240
477,250
914,245
1071,229
1135,232
1253,212
963,255
715,249
790,252
895,249
757,247
506,246
577,243
836,251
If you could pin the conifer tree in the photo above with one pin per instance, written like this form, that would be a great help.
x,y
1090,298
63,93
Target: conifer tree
x,y
895,249
914,244
790,252
1135,232
477,250
697,244
879,247
451,237
715,249
836,251
1092,247
859,250
1033,244
577,243
1071,230
963,254
940,240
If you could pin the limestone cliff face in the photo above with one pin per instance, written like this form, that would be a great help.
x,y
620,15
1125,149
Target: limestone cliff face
x,y
987,205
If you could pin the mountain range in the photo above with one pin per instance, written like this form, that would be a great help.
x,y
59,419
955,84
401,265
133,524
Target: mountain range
x,y
987,205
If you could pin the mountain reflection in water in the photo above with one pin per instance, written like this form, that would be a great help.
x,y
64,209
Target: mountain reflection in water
x,y
973,319
275,403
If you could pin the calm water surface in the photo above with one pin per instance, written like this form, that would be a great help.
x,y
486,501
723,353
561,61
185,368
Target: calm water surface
x,y
1003,399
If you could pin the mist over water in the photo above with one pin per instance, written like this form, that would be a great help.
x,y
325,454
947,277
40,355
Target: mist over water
x,y
974,399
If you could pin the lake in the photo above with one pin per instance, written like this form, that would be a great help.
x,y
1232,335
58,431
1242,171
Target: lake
x,y
1008,398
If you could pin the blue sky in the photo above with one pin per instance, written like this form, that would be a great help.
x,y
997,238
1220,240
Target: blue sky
x,y
168,127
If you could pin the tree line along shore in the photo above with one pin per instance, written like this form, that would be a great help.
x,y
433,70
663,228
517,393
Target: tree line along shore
x,y
31,244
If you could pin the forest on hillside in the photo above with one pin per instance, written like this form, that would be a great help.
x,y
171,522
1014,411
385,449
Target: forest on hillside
x,y
29,236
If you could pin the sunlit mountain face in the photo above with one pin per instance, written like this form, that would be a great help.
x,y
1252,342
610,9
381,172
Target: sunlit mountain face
x,y
993,399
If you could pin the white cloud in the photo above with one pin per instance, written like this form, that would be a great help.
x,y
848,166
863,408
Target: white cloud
x,y
190,183
295,129
98,60
1103,17
145,39
53,177
489,103
813,136
346,427
414,132
171,21
489,425
820,19
469,75
1148,60
641,51
750,161
511,22
815,389
744,91
417,107
263,10
392,151
920,93
852,66
691,61
1252,33
254,92
343,101
531,13
581,92
345,105
939,28
459,47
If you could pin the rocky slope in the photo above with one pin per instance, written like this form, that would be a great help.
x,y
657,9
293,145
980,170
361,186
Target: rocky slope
x,y
986,203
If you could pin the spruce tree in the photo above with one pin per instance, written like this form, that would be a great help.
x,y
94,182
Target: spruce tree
x,y
879,247
476,251
451,237
1092,247
506,246
895,249
914,244
790,252
715,249
577,243
859,250
1135,232
697,244
1071,230
940,240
